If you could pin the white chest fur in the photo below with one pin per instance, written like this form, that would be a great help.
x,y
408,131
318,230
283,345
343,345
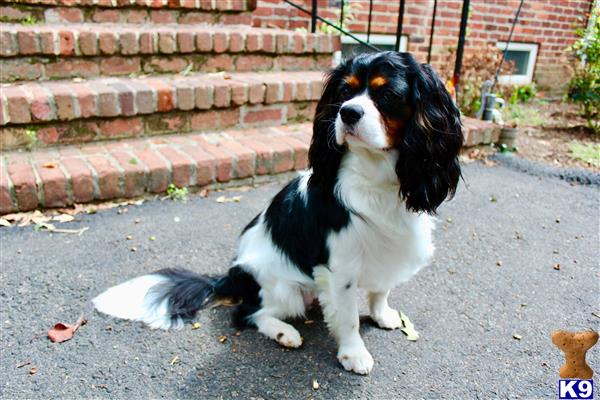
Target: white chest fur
x,y
385,243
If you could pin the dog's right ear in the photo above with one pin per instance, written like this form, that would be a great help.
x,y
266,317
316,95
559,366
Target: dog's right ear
x,y
325,155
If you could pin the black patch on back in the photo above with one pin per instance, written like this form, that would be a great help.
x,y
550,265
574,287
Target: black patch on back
x,y
300,229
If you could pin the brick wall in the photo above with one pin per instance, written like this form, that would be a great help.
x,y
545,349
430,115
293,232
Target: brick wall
x,y
549,23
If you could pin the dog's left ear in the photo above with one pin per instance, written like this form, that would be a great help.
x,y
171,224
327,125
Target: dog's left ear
x,y
428,167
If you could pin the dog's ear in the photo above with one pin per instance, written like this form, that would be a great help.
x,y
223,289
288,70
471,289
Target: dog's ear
x,y
428,167
325,155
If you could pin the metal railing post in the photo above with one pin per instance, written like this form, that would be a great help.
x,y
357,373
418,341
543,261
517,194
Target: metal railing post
x,y
461,45
313,15
400,20
431,32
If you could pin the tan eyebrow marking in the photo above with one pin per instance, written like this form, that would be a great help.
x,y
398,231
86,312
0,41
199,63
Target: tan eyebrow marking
x,y
353,81
378,81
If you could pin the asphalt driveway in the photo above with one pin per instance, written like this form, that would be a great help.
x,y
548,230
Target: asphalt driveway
x,y
484,308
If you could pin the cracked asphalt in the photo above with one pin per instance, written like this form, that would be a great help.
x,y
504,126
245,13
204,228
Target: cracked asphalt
x,y
492,281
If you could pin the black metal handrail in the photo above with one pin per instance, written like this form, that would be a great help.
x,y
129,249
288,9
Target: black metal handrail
x,y
315,17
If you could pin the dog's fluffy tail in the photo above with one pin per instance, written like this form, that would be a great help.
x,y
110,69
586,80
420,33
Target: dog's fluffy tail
x,y
167,298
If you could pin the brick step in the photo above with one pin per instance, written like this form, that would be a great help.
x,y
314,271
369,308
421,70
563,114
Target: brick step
x,y
137,12
129,168
88,50
60,112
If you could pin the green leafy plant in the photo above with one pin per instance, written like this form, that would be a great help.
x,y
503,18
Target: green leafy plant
x,y
29,20
589,153
176,193
523,93
584,86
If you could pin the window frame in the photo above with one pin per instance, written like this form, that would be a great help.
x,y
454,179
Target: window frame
x,y
518,79
377,38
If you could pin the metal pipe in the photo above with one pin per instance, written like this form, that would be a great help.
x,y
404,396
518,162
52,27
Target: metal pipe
x,y
512,28
399,29
461,45
431,32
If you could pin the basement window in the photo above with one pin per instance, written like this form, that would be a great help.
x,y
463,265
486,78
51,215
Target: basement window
x,y
523,55
351,47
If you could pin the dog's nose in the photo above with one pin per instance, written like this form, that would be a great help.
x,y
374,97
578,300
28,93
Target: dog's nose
x,y
351,113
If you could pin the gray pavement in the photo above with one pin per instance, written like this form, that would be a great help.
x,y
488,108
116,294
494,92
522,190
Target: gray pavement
x,y
492,278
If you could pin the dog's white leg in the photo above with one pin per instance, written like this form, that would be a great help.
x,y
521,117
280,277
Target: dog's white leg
x,y
384,315
339,301
283,333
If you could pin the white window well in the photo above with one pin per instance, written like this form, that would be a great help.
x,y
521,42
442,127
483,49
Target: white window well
x,y
351,47
523,55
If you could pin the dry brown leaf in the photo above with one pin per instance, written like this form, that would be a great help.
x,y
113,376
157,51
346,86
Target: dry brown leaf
x,y
49,165
62,332
32,371
222,338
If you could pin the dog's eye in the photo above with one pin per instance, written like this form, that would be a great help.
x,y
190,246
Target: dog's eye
x,y
345,91
387,96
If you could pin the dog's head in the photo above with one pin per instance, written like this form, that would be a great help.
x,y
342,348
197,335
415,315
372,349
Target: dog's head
x,y
387,102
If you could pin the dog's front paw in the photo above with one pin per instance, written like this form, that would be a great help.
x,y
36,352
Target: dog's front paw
x,y
356,359
289,338
388,318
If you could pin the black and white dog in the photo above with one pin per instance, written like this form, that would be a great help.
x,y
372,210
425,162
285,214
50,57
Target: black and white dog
x,y
383,157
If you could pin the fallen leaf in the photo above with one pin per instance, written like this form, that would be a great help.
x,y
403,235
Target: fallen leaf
x,y
222,338
493,199
223,199
196,325
152,238
408,328
62,332
50,165
315,384
63,218
32,370
517,336
556,267
128,237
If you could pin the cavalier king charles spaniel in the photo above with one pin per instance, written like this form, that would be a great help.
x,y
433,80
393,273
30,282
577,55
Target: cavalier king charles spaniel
x,y
383,157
